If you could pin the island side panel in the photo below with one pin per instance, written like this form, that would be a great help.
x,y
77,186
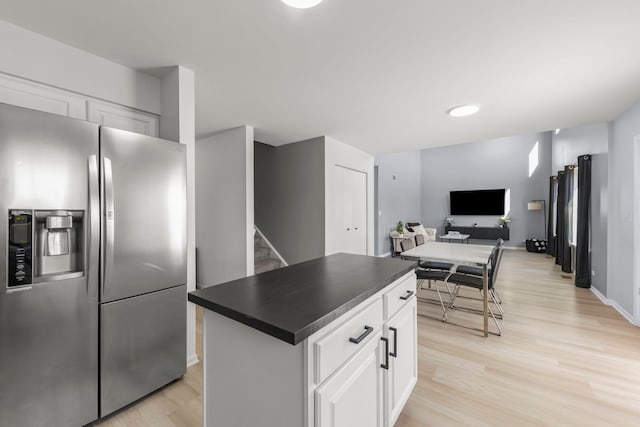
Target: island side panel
x,y
250,378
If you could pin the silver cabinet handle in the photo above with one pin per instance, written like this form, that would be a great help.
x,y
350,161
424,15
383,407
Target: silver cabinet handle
x,y
107,261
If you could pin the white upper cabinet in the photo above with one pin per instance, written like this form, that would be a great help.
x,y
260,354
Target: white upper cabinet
x,y
36,96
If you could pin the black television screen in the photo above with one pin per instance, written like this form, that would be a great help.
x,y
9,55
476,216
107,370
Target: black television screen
x,y
477,202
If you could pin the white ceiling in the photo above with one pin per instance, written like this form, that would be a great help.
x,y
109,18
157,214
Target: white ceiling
x,y
376,74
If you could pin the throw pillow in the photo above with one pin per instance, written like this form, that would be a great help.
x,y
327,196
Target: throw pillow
x,y
418,229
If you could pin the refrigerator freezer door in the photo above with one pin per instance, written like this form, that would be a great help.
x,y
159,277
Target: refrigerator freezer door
x,y
143,346
144,214
48,329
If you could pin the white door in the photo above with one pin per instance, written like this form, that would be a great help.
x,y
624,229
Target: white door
x,y
350,210
352,397
403,363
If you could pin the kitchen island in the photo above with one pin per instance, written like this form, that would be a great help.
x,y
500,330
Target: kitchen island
x,y
327,342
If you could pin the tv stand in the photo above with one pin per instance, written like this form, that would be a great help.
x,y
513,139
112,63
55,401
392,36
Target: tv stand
x,y
483,233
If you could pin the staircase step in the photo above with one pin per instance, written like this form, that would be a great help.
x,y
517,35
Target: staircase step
x,y
262,253
267,264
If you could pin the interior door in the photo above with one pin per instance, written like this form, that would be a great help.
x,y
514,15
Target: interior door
x,y
350,210
144,214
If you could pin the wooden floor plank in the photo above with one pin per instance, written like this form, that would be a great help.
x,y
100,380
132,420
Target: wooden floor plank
x,y
564,359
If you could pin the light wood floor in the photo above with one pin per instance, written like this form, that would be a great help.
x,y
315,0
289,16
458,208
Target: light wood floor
x,y
564,359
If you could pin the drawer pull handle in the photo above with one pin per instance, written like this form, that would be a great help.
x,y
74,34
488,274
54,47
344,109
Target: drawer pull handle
x,y
385,365
407,296
367,331
395,342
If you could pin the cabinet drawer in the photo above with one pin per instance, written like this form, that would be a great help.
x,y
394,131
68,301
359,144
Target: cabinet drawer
x,y
333,349
399,294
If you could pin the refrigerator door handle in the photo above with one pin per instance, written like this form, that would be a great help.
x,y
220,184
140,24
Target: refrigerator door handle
x,y
108,225
94,215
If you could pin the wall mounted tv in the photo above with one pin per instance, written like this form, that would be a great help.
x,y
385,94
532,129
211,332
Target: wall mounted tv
x,y
477,202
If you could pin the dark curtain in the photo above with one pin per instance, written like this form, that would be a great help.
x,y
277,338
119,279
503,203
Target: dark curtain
x,y
583,259
561,207
553,204
569,181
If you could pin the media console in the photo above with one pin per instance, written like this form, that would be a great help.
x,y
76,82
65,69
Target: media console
x,y
484,233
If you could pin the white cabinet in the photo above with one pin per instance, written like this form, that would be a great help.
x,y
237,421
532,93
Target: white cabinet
x,y
402,374
348,392
343,375
353,396
28,94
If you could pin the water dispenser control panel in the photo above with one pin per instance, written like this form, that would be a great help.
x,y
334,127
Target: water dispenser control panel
x,y
20,248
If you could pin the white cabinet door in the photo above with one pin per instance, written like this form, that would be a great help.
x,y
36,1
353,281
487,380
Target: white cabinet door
x,y
124,118
352,397
403,363
350,210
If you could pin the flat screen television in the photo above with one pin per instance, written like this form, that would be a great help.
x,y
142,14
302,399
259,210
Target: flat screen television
x,y
477,202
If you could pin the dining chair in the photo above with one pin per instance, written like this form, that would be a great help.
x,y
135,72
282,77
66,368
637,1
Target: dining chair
x,y
476,282
427,280
407,244
477,271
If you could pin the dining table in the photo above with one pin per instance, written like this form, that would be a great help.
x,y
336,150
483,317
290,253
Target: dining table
x,y
458,254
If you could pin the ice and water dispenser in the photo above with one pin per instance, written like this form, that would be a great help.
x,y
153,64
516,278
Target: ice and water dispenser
x,y
45,245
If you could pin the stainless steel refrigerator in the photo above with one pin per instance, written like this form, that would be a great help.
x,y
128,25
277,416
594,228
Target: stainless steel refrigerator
x,y
93,268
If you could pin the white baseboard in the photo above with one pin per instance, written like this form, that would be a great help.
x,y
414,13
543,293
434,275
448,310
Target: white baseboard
x,y
192,360
387,255
612,303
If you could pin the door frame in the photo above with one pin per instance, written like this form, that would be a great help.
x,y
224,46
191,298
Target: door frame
x,y
636,229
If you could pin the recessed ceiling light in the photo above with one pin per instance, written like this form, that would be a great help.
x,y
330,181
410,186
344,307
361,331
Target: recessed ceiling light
x,y
301,4
463,110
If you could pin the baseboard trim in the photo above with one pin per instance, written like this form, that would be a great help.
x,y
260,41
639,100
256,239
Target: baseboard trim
x,y
387,255
606,301
192,360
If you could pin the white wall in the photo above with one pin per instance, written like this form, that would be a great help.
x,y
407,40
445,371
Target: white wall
x,y
340,154
621,227
224,206
32,56
398,194
568,144
178,124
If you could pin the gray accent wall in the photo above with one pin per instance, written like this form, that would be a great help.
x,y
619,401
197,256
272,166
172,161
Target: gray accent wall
x,y
621,260
290,198
398,194
489,164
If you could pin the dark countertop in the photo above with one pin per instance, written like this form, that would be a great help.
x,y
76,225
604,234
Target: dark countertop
x,y
293,302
